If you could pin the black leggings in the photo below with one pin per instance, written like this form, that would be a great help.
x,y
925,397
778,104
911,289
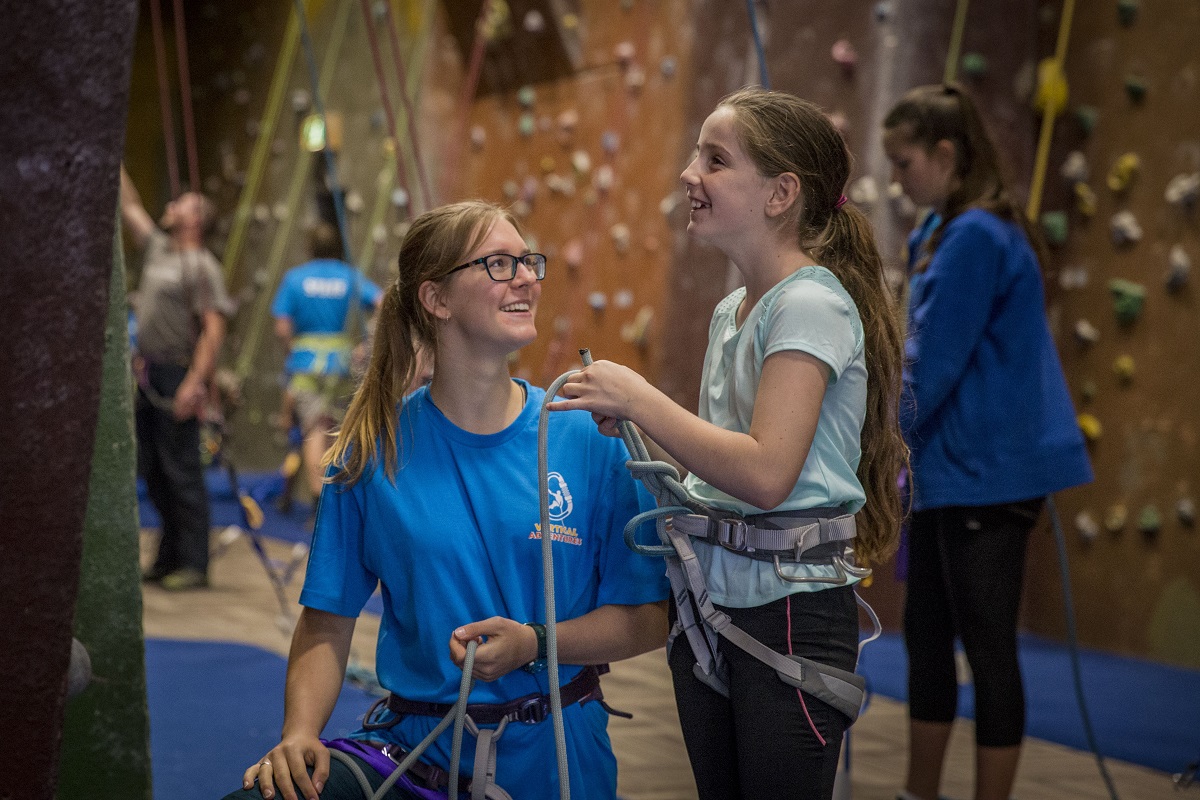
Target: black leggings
x,y
966,566
758,743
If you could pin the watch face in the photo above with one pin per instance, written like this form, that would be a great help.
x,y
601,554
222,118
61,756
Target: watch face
x,y
535,666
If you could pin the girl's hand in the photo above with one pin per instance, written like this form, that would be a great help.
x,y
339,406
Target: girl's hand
x,y
604,388
609,426
285,769
504,645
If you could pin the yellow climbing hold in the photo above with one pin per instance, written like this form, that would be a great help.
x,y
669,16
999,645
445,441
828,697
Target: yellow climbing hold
x,y
1090,425
1085,199
1124,368
1123,171
1051,95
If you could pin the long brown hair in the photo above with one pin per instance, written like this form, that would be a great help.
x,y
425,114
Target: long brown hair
x,y
436,242
782,133
927,115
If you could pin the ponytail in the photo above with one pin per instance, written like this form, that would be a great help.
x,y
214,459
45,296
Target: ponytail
x,y
848,250
370,421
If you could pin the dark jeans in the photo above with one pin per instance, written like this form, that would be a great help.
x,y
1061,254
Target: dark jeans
x,y
169,460
758,743
966,566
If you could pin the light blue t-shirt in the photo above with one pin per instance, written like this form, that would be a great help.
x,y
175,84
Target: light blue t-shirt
x,y
811,312
456,540
315,296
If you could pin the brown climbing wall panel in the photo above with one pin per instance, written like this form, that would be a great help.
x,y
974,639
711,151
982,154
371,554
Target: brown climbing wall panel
x,y
1137,592
590,163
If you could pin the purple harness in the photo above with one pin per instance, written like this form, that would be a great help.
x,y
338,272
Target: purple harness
x,y
385,767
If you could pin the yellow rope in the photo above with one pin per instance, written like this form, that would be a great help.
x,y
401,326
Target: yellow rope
x,y
262,146
956,35
300,171
1052,95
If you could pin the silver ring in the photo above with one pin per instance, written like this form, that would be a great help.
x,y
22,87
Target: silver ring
x,y
266,762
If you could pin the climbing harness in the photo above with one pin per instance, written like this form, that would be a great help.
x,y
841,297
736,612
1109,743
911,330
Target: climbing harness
x,y
819,537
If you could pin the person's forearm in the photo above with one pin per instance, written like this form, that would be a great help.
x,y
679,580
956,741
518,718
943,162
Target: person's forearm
x,y
316,669
611,633
208,347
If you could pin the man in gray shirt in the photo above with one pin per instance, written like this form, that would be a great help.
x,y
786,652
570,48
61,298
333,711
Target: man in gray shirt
x,y
181,310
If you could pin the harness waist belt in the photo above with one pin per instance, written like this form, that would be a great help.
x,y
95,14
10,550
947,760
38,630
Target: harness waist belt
x,y
530,709
803,540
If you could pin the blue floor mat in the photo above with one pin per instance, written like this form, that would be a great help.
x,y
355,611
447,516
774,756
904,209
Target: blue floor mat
x,y
1142,712
215,707
264,487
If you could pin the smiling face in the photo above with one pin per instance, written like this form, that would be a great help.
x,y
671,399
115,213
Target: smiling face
x,y
925,173
487,314
728,195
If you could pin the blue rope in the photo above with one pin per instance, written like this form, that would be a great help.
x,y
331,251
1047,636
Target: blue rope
x,y
1073,647
763,77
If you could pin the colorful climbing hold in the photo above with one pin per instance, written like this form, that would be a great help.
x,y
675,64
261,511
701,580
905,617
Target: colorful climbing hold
x,y
1183,189
1185,509
1124,228
844,55
1135,87
864,192
1180,267
1075,167
1085,200
1087,117
1087,526
1086,332
1055,227
1128,298
1051,95
1127,11
974,65
1115,518
1149,520
527,124
1123,171
1124,368
1090,426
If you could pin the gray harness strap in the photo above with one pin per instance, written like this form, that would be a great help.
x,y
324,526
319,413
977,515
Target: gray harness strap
x,y
483,778
800,542
841,689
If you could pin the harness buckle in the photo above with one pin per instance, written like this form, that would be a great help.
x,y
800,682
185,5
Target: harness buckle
x,y
731,533
531,712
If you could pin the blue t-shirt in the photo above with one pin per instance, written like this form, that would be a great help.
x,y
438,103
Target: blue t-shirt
x,y
987,412
456,540
809,311
315,296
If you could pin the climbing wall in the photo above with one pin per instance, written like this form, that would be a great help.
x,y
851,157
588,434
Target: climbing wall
x,y
1122,191
586,144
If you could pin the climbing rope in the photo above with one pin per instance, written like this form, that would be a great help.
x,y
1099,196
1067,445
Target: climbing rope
x,y
411,118
164,96
763,77
262,145
185,98
1051,99
483,32
956,36
385,99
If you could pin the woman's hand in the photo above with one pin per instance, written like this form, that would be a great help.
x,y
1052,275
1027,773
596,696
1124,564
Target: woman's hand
x,y
286,768
610,391
504,645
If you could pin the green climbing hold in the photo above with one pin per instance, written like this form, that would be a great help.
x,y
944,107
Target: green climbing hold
x,y
1128,298
1087,117
974,65
1149,520
1127,11
1055,227
1135,87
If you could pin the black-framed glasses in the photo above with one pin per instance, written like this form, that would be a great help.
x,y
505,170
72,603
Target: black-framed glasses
x,y
503,266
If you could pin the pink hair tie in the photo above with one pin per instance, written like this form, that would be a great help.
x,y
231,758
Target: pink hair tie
x,y
841,202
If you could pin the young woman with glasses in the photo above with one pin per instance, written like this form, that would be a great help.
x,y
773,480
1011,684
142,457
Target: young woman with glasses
x,y
434,498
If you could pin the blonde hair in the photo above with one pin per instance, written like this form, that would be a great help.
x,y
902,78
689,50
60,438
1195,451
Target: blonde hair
x,y
782,133
436,242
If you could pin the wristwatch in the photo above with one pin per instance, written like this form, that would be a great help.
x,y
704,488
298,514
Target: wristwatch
x,y
539,663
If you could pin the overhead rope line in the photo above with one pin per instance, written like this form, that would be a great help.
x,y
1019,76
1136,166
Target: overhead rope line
x,y
262,146
956,37
387,175
764,77
299,180
385,99
185,98
402,83
164,96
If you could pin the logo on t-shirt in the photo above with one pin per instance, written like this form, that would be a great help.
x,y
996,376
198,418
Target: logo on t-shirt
x,y
330,288
561,504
